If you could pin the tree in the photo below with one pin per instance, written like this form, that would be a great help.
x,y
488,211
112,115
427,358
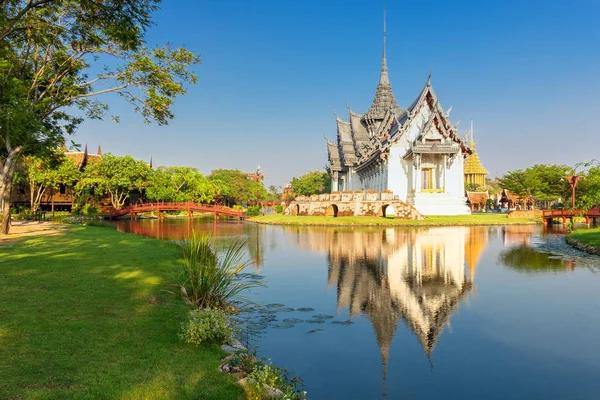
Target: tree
x,y
234,187
542,182
43,173
115,176
313,182
51,53
179,184
588,189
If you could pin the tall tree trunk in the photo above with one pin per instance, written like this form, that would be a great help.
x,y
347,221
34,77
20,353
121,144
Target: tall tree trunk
x,y
6,177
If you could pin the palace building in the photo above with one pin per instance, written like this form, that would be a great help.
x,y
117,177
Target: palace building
x,y
415,152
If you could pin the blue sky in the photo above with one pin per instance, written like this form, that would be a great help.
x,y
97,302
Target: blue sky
x,y
526,72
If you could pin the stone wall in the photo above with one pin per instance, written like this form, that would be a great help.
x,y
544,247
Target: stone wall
x,y
349,203
525,214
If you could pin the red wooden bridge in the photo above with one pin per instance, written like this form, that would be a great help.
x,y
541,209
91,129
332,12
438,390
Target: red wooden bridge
x,y
590,215
188,206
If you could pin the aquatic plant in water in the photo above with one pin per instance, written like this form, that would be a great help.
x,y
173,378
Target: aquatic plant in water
x,y
212,278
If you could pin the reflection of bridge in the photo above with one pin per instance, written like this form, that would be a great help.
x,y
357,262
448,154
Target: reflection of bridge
x,y
590,215
188,206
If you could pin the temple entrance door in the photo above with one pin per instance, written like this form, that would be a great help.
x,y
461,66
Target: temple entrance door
x,y
426,179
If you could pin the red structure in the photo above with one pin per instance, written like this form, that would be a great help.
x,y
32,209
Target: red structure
x,y
590,215
573,180
188,206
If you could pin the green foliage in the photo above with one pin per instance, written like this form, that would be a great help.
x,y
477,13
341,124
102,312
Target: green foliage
x,y
473,187
179,184
279,208
57,59
253,211
588,189
313,182
45,174
207,326
211,278
544,182
265,376
235,187
114,175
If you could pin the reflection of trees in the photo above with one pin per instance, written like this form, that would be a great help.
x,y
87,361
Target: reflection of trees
x,y
525,259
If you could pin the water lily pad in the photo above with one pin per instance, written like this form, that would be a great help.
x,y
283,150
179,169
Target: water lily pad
x,y
348,322
323,316
337,322
286,309
316,330
293,320
275,305
305,309
315,321
282,326
257,326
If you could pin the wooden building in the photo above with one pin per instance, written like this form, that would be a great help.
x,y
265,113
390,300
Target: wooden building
x,y
61,198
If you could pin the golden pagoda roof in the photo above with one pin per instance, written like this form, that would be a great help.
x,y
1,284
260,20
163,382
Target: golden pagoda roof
x,y
473,165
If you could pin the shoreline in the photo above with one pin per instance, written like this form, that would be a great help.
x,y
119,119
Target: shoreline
x,y
435,221
585,240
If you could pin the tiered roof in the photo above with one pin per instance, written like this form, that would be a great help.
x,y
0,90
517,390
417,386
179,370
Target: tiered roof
x,y
365,137
473,165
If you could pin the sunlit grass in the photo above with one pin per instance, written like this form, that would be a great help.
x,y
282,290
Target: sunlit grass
x,y
590,237
474,219
92,314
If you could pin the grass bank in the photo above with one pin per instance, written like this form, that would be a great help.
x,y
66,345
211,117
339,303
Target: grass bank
x,y
586,240
474,219
89,314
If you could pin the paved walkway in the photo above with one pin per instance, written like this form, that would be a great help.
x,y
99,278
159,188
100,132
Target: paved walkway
x,y
31,228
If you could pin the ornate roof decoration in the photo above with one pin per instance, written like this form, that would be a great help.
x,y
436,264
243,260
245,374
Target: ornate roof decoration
x,y
371,134
384,97
473,165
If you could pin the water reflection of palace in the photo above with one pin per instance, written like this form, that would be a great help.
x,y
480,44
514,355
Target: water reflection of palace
x,y
417,276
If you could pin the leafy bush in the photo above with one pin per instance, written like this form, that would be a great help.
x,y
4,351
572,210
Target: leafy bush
x,y
207,326
279,209
253,211
212,279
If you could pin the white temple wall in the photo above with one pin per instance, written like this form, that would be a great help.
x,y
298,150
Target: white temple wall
x,y
455,178
398,179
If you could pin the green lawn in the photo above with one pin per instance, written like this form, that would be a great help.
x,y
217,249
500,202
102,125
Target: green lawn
x,y
90,314
590,237
474,219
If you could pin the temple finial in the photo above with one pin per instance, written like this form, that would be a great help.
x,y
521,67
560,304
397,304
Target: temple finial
x,y
471,140
99,152
85,151
333,111
384,29
150,165
384,79
429,77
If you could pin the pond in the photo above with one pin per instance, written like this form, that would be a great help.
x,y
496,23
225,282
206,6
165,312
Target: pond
x,y
440,312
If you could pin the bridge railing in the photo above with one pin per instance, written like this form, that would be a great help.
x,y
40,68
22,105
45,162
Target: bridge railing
x,y
174,205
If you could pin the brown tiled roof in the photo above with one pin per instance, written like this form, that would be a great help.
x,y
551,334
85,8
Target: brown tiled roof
x,y
478,197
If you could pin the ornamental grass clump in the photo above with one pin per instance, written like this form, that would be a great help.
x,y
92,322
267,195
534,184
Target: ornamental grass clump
x,y
212,278
207,326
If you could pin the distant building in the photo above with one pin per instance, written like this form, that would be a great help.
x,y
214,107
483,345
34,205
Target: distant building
x,y
475,173
63,198
477,200
415,152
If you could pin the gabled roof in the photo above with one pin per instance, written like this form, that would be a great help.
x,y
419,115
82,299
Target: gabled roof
x,y
478,197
